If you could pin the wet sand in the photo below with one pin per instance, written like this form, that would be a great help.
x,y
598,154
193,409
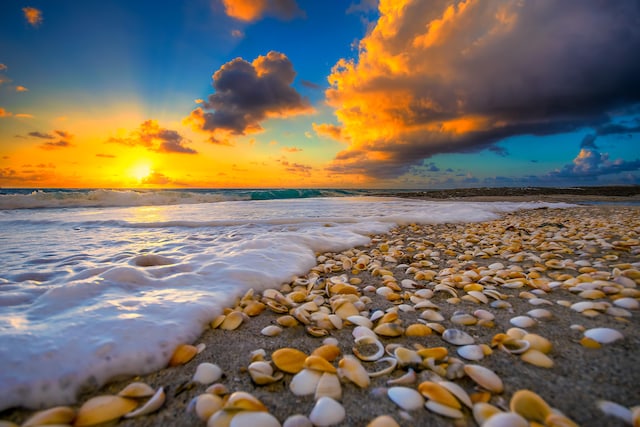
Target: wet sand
x,y
579,377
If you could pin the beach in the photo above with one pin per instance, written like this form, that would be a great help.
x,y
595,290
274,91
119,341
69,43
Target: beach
x,y
552,249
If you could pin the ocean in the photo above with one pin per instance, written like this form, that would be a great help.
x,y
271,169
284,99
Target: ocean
x,y
102,283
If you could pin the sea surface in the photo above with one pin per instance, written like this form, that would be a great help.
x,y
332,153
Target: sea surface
x,y
100,283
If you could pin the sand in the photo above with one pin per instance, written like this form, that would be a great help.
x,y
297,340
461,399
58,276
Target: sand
x,y
579,378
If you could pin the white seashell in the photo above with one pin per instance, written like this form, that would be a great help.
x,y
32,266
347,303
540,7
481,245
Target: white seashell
x,y
407,398
523,322
539,301
471,352
361,331
271,330
207,373
485,378
409,378
327,412
207,404
297,420
360,321
426,304
582,306
457,337
506,419
431,315
628,303
200,347
603,335
262,373
370,355
500,304
408,284
254,418
330,341
479,296
458,392
444,410
484,314
329,386
153,404
391,362
618,312
540,313
616,410
305,382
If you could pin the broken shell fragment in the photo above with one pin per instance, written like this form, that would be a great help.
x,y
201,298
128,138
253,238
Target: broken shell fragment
x,y
101,409
351,369
152,405
368,348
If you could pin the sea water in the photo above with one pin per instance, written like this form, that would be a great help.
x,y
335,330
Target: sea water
x,y
98,284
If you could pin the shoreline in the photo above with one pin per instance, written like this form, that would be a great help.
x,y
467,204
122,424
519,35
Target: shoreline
x,y
579,377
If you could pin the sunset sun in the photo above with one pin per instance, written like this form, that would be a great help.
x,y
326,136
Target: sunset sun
x,y
140,171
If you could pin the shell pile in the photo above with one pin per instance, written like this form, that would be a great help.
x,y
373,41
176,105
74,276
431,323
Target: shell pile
x,y
423,321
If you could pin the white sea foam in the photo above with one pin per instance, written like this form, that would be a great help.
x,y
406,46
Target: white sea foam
x,y
92,293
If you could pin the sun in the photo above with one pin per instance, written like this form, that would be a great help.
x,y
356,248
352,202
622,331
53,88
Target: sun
x,y
140,170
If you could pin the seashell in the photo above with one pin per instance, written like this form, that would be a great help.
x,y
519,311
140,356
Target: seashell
x,y
344,309
182,354
457,391
305,382
438,393
391,362
336,321
327,412
277,307
218,321
515,346
232,321
616,410
444,410
297,420
538,342
383,421
389,330
350,368
207,373
506,419
627,302
254,308
55,415
328,352
218,389
408,378
431,315
464,319
500,304
221,418
603,335
316,332
479,296
207,405
360,331
537,358
516,333
530,406
318,363
436,327
436,353
287,321
406,398
271,330
457,337
471,352
559,420
360,321
540,313
539,301
635,416
262,373
241,400
484,314
254,418
483,411
407,357
485,378
258,354
523,322
137,389
150,406
289,360
101,409
329,386
417,330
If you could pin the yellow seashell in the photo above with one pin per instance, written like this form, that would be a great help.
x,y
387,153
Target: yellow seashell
x,y
344,308
343,289
438,393
436,353
329,352
537,358
538,342
137,389
101,409
207,405
217,321
287,321
389,330
559,420
482,411
289,360
241,400
590,343
351,369
182,354
297,296
418,330
529,405
254,308
315,331
480,397
383,421
318,363
56,415
232,321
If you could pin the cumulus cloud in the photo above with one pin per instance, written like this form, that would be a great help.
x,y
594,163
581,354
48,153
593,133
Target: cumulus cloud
x,y
155,138
32,15
247,93
590,164
458,76
252,10
328,130
157,178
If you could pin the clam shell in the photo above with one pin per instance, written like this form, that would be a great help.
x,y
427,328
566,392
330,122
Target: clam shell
x,y
318,363
457,337
253,419
262,373
458,392
615,410
207,404
540,313
207,373
389,330
368,348
351,369
603,335
506,419
383,421
327,412
471,352
436,392
444,410
408,378
537,358
329,386
559,420
55,415
407,357
297,420
360,321
523,322
417,330
271,330
289,360
437,353
221,418
538,342
391,362
431,315
305,382
101,409
483,411
329,352
515,346
182,354
485,378
241,400
232,321
152,405
137,389
406,398
530,406
628,303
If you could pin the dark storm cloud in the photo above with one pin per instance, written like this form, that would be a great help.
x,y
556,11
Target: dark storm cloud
x,y
155,138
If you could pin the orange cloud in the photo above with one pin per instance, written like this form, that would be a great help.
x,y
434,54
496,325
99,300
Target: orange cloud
x,y
32,15
155,138
21,89
252,10
459,76
328,130
63,139
5,113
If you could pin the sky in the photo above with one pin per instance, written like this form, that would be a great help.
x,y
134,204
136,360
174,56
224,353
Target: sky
x,y
418,94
